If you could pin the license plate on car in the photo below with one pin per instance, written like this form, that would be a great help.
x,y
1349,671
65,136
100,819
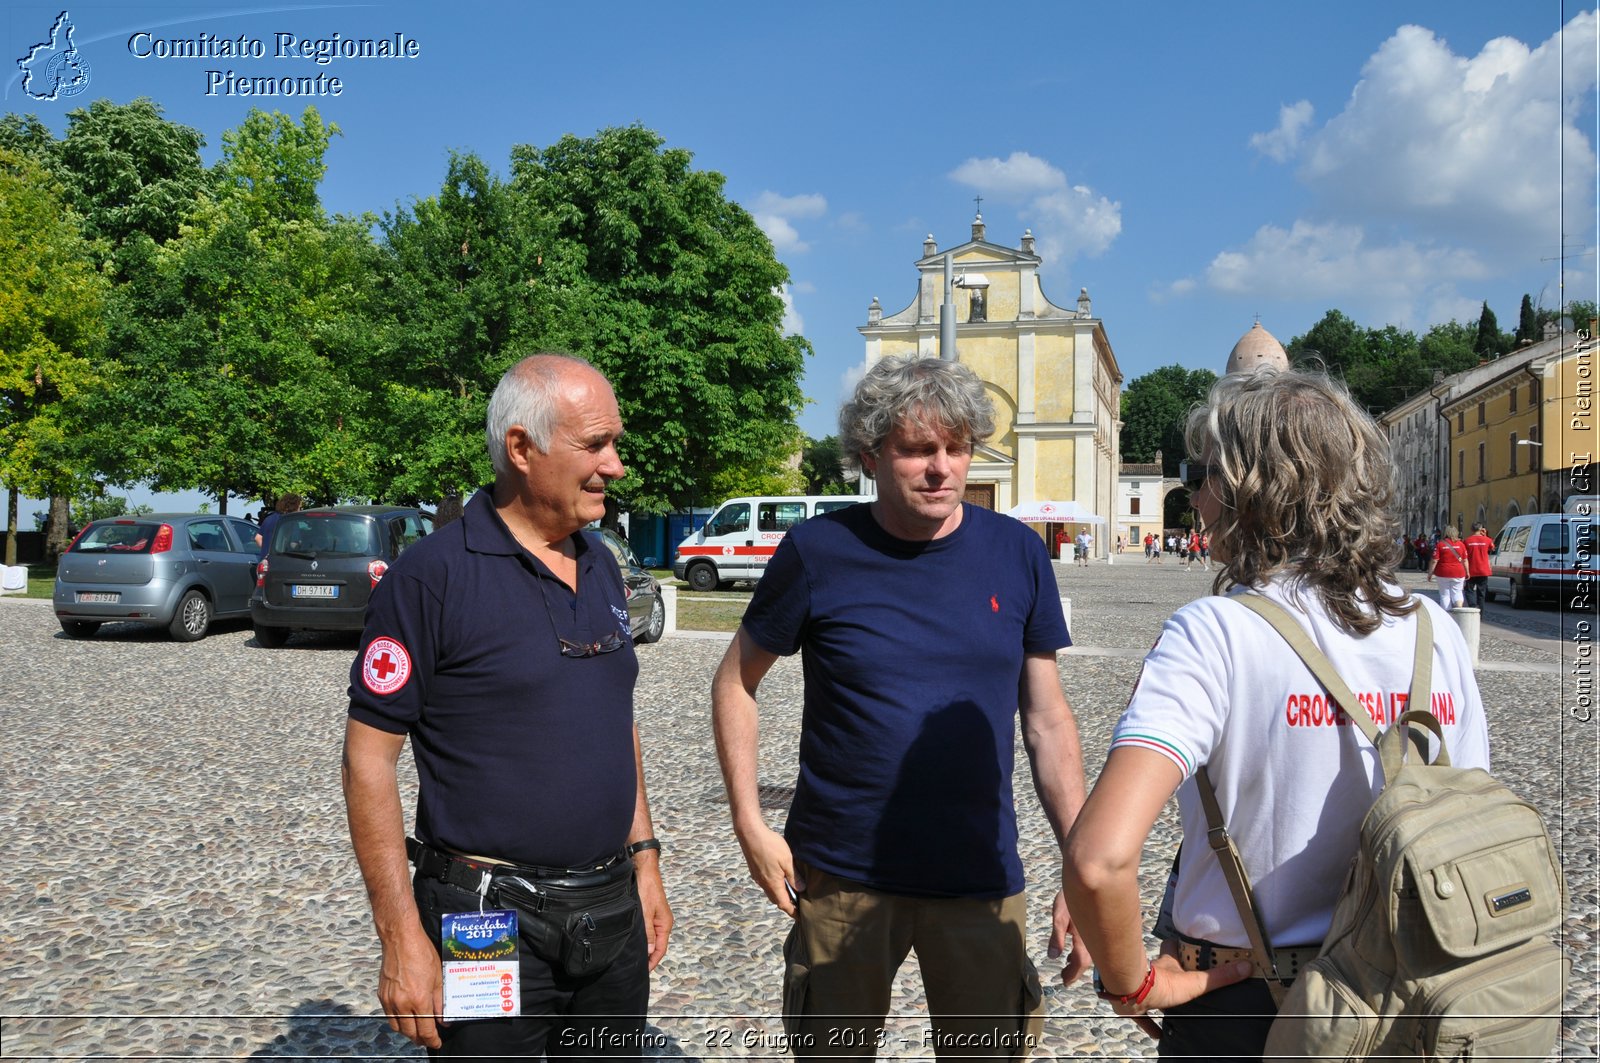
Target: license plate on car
x,y
313,590
100,596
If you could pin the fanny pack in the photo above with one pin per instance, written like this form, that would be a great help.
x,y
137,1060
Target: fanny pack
x,y
578,920
580,930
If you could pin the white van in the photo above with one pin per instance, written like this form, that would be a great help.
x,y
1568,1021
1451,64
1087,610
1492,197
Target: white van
x,y
742,535
1545,555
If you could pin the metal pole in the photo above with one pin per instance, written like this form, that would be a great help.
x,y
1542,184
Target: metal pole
x,y
947,317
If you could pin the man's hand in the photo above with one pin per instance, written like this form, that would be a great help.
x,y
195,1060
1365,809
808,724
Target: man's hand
x,y
653,903
410,987
771,865
1078,958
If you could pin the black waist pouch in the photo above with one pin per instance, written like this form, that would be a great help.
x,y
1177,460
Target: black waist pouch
x,y
579,930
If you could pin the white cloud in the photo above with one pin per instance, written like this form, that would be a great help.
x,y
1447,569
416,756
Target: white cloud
x,y
851,377
1072,219
1016,178
793,324
1282,143
1175,290
1452,144
774,213
1333,262
1438,179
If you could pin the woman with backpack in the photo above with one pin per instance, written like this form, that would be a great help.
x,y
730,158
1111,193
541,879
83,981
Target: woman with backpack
x,y
1295,490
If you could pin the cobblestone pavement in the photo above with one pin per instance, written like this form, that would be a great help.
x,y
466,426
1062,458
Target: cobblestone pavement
x,y
179,883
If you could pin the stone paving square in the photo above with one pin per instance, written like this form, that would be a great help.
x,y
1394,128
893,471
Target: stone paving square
x,y
180,884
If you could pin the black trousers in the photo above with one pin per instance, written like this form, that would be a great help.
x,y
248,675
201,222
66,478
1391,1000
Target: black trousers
x,y
1228,1024
599,1016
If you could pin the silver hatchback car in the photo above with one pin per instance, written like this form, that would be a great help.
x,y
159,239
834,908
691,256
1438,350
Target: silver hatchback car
x,y
179,571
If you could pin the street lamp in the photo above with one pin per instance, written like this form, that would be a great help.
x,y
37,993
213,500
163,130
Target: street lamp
x,y
976,282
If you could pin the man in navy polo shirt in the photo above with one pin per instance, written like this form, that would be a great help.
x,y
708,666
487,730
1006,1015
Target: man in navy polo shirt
x,y
499,644
924,625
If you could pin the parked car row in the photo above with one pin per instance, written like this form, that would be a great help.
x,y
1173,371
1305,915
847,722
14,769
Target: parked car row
x,y
181,572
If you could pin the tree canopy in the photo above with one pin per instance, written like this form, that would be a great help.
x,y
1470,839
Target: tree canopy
x,y
642,264
247,332
615,249
51,333
1154,409
1383,367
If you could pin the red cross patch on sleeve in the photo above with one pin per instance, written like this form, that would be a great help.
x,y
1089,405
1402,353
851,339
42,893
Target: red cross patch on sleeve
x,y
386,666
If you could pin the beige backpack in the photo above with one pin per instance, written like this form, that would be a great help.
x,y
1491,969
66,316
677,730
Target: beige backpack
x,y
1440,944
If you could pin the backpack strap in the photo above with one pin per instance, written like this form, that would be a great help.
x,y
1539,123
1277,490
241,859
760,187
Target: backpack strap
x,y
1244,897
1391,755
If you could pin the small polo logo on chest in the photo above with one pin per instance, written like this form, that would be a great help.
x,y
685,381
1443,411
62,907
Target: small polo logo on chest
x,y
994,604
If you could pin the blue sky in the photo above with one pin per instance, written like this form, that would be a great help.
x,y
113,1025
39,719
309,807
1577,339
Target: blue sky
x,y
1193,166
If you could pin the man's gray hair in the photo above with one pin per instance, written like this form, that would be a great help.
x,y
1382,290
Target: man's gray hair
x,y
526,396
909,390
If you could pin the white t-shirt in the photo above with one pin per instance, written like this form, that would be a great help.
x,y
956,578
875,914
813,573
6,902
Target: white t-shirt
x,y
1222,688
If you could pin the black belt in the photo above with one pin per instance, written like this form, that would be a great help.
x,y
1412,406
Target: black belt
x,y
475,876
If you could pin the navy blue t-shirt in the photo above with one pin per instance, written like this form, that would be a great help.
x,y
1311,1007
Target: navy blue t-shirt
x,y
523,755
912,654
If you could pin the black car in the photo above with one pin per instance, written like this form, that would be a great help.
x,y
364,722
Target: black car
x,y
647,616
322,565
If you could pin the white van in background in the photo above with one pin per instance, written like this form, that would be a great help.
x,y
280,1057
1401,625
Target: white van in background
x,y
741,536
1543,556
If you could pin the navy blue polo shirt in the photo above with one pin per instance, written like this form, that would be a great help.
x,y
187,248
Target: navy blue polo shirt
x,y
913,655
523,755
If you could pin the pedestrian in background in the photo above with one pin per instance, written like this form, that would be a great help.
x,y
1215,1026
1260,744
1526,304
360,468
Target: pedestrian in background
x,y
1449,566
287,503
1479,547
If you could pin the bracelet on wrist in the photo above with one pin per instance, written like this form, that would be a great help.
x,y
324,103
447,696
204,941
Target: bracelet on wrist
x,y
1138,995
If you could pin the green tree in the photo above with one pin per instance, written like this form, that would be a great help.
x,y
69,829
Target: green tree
x,y
1154,410
764,476
641,263
1336,341
27,136
822,466
1382,367
1488,343
1447,347
1527,322
272,165
1581,311
130,173
247,333
51,330
456,301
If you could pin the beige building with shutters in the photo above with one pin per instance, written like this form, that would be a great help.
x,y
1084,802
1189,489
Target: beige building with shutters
x,y
1051,371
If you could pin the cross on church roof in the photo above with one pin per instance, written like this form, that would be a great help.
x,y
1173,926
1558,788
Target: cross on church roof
x,y
979,201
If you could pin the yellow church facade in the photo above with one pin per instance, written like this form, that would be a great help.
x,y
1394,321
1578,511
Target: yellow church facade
x,y
1050,370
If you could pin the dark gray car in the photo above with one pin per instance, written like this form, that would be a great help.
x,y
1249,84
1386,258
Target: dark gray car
x,y
322,565
647,616
179,571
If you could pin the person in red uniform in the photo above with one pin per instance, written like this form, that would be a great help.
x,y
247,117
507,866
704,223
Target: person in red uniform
x,y
1479,547
1449,564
